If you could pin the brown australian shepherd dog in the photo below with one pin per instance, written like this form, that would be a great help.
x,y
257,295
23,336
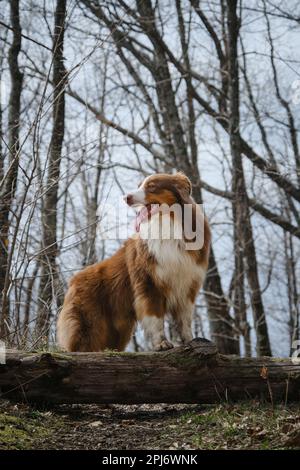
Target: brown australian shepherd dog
x,y
146,279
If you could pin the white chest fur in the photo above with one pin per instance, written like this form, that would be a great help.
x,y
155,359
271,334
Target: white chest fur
x,y
175,267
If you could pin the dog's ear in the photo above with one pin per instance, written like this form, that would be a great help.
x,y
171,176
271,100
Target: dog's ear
x,y
184,188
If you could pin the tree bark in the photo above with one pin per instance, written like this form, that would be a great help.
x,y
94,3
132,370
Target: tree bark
x,y
8,192
239,202
49,276
193,373
244,246
220,322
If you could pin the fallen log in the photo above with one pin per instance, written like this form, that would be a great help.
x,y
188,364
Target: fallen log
x,y
193,373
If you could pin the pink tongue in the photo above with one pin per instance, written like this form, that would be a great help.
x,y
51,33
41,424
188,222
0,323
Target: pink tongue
x,y
144,214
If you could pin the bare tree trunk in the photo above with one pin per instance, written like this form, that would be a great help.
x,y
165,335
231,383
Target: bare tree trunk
x,y
243,235
10,182
93,201
49,275
220,321
28,305
165,94
239,302
292,290
221,324
238,205
263,347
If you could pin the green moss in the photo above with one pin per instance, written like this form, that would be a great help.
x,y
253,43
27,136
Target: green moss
x,y
60,355
111,352
179,360
20,432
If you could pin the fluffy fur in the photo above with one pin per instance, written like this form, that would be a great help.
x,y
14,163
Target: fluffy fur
x,y
143,281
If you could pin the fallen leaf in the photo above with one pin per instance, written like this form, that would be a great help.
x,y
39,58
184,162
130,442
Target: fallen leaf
x,y
95,424
264,372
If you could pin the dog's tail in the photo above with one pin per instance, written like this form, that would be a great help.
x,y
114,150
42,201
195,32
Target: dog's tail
x,y
69,324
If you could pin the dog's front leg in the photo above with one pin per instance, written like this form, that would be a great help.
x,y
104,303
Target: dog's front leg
x,y
155,333
183,318
150,309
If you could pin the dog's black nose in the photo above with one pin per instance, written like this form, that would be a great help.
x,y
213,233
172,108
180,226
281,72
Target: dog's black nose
x,y
128,199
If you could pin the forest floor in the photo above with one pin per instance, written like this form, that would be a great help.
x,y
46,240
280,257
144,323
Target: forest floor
x,y
240,426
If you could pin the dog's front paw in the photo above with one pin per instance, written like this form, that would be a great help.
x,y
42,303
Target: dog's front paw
x,y
164,346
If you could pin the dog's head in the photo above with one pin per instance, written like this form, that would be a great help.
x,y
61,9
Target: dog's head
x,y
171,197
160,189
